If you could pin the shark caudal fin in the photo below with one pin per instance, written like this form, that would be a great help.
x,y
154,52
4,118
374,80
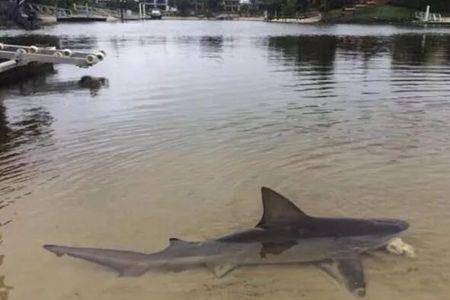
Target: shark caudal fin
x,y
278,210
126,263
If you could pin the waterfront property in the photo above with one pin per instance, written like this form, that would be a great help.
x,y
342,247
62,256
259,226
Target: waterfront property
x,y
230,6
158,4
427,17
198,5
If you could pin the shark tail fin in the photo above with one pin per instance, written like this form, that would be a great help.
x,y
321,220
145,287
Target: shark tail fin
x,y
278,210
126,263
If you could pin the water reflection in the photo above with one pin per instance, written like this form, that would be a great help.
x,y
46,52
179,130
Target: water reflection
x,y
43,40
320,51
346,84
312,59
212,46
4,129
42,85
18,136
362,48
82,42
311,50
420,49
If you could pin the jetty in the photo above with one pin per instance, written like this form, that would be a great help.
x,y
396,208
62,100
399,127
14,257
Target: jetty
x,y
427,17
301,20
16,61
85,13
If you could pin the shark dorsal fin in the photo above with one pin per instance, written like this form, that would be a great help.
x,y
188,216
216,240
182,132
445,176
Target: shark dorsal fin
x,y
278,211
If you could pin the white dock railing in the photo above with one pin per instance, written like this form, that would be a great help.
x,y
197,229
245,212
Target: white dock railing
x,y
426,16
22,55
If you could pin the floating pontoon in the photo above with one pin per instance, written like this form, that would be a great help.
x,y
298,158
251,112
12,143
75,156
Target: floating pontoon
x,y
13,56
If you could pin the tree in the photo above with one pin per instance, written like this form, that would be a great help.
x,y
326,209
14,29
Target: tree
x,y
184,7
436,5
286,8
213,5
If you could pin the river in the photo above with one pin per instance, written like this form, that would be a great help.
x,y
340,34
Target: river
x,y
191,118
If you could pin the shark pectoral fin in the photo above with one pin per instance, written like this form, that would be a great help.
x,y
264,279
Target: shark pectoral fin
x,y
221,270
132,271
347,271
352,273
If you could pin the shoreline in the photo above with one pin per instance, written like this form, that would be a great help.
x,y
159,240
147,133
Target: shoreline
x,y
193,18
379,14
324,21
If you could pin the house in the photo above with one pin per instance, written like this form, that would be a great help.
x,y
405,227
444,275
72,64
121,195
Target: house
x,y
159,4
198,5
230,6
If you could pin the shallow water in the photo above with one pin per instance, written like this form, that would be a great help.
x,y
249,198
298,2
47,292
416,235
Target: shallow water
x,y
194,118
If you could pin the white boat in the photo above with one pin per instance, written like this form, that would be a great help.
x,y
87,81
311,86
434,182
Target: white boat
x,y
156,14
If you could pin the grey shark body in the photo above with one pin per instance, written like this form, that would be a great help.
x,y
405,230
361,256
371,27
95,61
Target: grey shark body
x,y
284,235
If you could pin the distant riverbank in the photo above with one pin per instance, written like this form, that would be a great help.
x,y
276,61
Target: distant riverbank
x,y
205,18
359,14
370,14
348,119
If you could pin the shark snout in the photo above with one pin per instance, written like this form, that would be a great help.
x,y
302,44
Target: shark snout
x,y
393,225
58,250
403,224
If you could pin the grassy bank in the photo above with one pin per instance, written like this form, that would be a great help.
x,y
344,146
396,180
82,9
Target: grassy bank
x,y
371,14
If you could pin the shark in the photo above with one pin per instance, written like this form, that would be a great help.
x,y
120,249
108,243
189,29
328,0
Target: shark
x,y
283,235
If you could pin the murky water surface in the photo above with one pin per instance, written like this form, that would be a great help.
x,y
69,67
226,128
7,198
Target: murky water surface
x,y
191,119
